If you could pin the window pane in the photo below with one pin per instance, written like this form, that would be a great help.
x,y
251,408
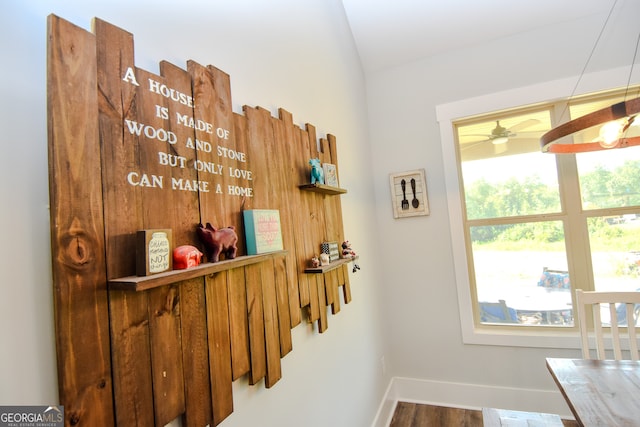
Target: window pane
x,y
524,184
525,266
609,178
504,172
615,252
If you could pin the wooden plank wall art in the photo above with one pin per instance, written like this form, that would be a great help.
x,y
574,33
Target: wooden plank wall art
x,y
130,150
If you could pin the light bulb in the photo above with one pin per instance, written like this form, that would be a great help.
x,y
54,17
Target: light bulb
x,y
609,134
499,140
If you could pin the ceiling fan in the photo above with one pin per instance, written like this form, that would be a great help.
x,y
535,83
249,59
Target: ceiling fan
x,y
500,135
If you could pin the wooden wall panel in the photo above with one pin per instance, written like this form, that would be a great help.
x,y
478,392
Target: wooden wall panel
x,y
190,306
131,358
220,353
257,345
172,154
297,283
271,325
195,354
160,210
287,195
239,329
77,227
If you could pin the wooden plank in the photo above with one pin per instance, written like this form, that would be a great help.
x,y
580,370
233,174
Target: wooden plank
x,y
132,381
284,306
331,234
332,266
344,280
195,354
304,249
237,174
140,283
314,298
311,224
220,346
322,305
129,323
331,279
328,289
316,206
184,211
117,102
289,199
341,273
346,288
335,203
166,354
257,344
240,131
259,143
271,325
77,240
239,329
220,207
159,211
317,215
206,100
322,188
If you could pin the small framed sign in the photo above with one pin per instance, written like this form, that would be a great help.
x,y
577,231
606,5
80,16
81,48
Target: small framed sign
x,y
331,249
330,174
153,251
409,194
262,231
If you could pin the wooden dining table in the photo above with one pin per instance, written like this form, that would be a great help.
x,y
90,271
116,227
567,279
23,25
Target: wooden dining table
x,y
599,392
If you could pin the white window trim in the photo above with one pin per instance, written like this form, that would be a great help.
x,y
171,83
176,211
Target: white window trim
x,y
446,114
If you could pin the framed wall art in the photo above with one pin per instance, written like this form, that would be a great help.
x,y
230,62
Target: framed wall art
x,y
409,193
330,174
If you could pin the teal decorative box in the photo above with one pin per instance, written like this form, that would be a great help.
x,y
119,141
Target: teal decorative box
x,y
262,231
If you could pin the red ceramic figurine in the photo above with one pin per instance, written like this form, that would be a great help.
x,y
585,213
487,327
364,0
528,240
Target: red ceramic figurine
x,y
218,241
186,256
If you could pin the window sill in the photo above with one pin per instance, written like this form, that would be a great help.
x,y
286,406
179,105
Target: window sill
x,y
566,338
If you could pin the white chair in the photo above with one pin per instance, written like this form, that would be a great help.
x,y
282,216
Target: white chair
x,y
623,311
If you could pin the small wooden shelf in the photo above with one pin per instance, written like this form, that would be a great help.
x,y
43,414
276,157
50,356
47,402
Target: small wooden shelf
x,y
332,266
143,283
321,188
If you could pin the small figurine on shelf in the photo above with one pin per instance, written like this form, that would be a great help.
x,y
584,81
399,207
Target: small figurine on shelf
x,y
317,174
315,262
218,241
186,256
348,252
324,259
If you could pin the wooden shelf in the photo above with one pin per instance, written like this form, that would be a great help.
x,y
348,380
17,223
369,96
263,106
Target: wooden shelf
x,y
332,266
321,188
143,283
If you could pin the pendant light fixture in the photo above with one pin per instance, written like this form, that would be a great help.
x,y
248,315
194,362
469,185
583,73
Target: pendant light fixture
x,y
615,121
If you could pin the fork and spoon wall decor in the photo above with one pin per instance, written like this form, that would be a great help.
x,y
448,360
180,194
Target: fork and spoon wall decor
x,y
405,204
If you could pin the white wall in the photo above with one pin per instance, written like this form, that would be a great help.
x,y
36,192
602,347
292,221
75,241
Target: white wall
x,y
421,302
282,53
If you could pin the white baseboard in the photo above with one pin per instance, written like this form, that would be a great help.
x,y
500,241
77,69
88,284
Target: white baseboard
x,y
468,396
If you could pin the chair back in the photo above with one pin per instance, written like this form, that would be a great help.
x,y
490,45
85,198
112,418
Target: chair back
x,y
624,309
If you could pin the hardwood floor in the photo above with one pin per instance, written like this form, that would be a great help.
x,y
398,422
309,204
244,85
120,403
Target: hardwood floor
x,y
420,415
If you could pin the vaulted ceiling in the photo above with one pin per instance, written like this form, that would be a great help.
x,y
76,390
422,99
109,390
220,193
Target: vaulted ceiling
x,y
393,32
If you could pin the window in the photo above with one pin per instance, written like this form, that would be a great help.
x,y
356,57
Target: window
x,y
536,226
